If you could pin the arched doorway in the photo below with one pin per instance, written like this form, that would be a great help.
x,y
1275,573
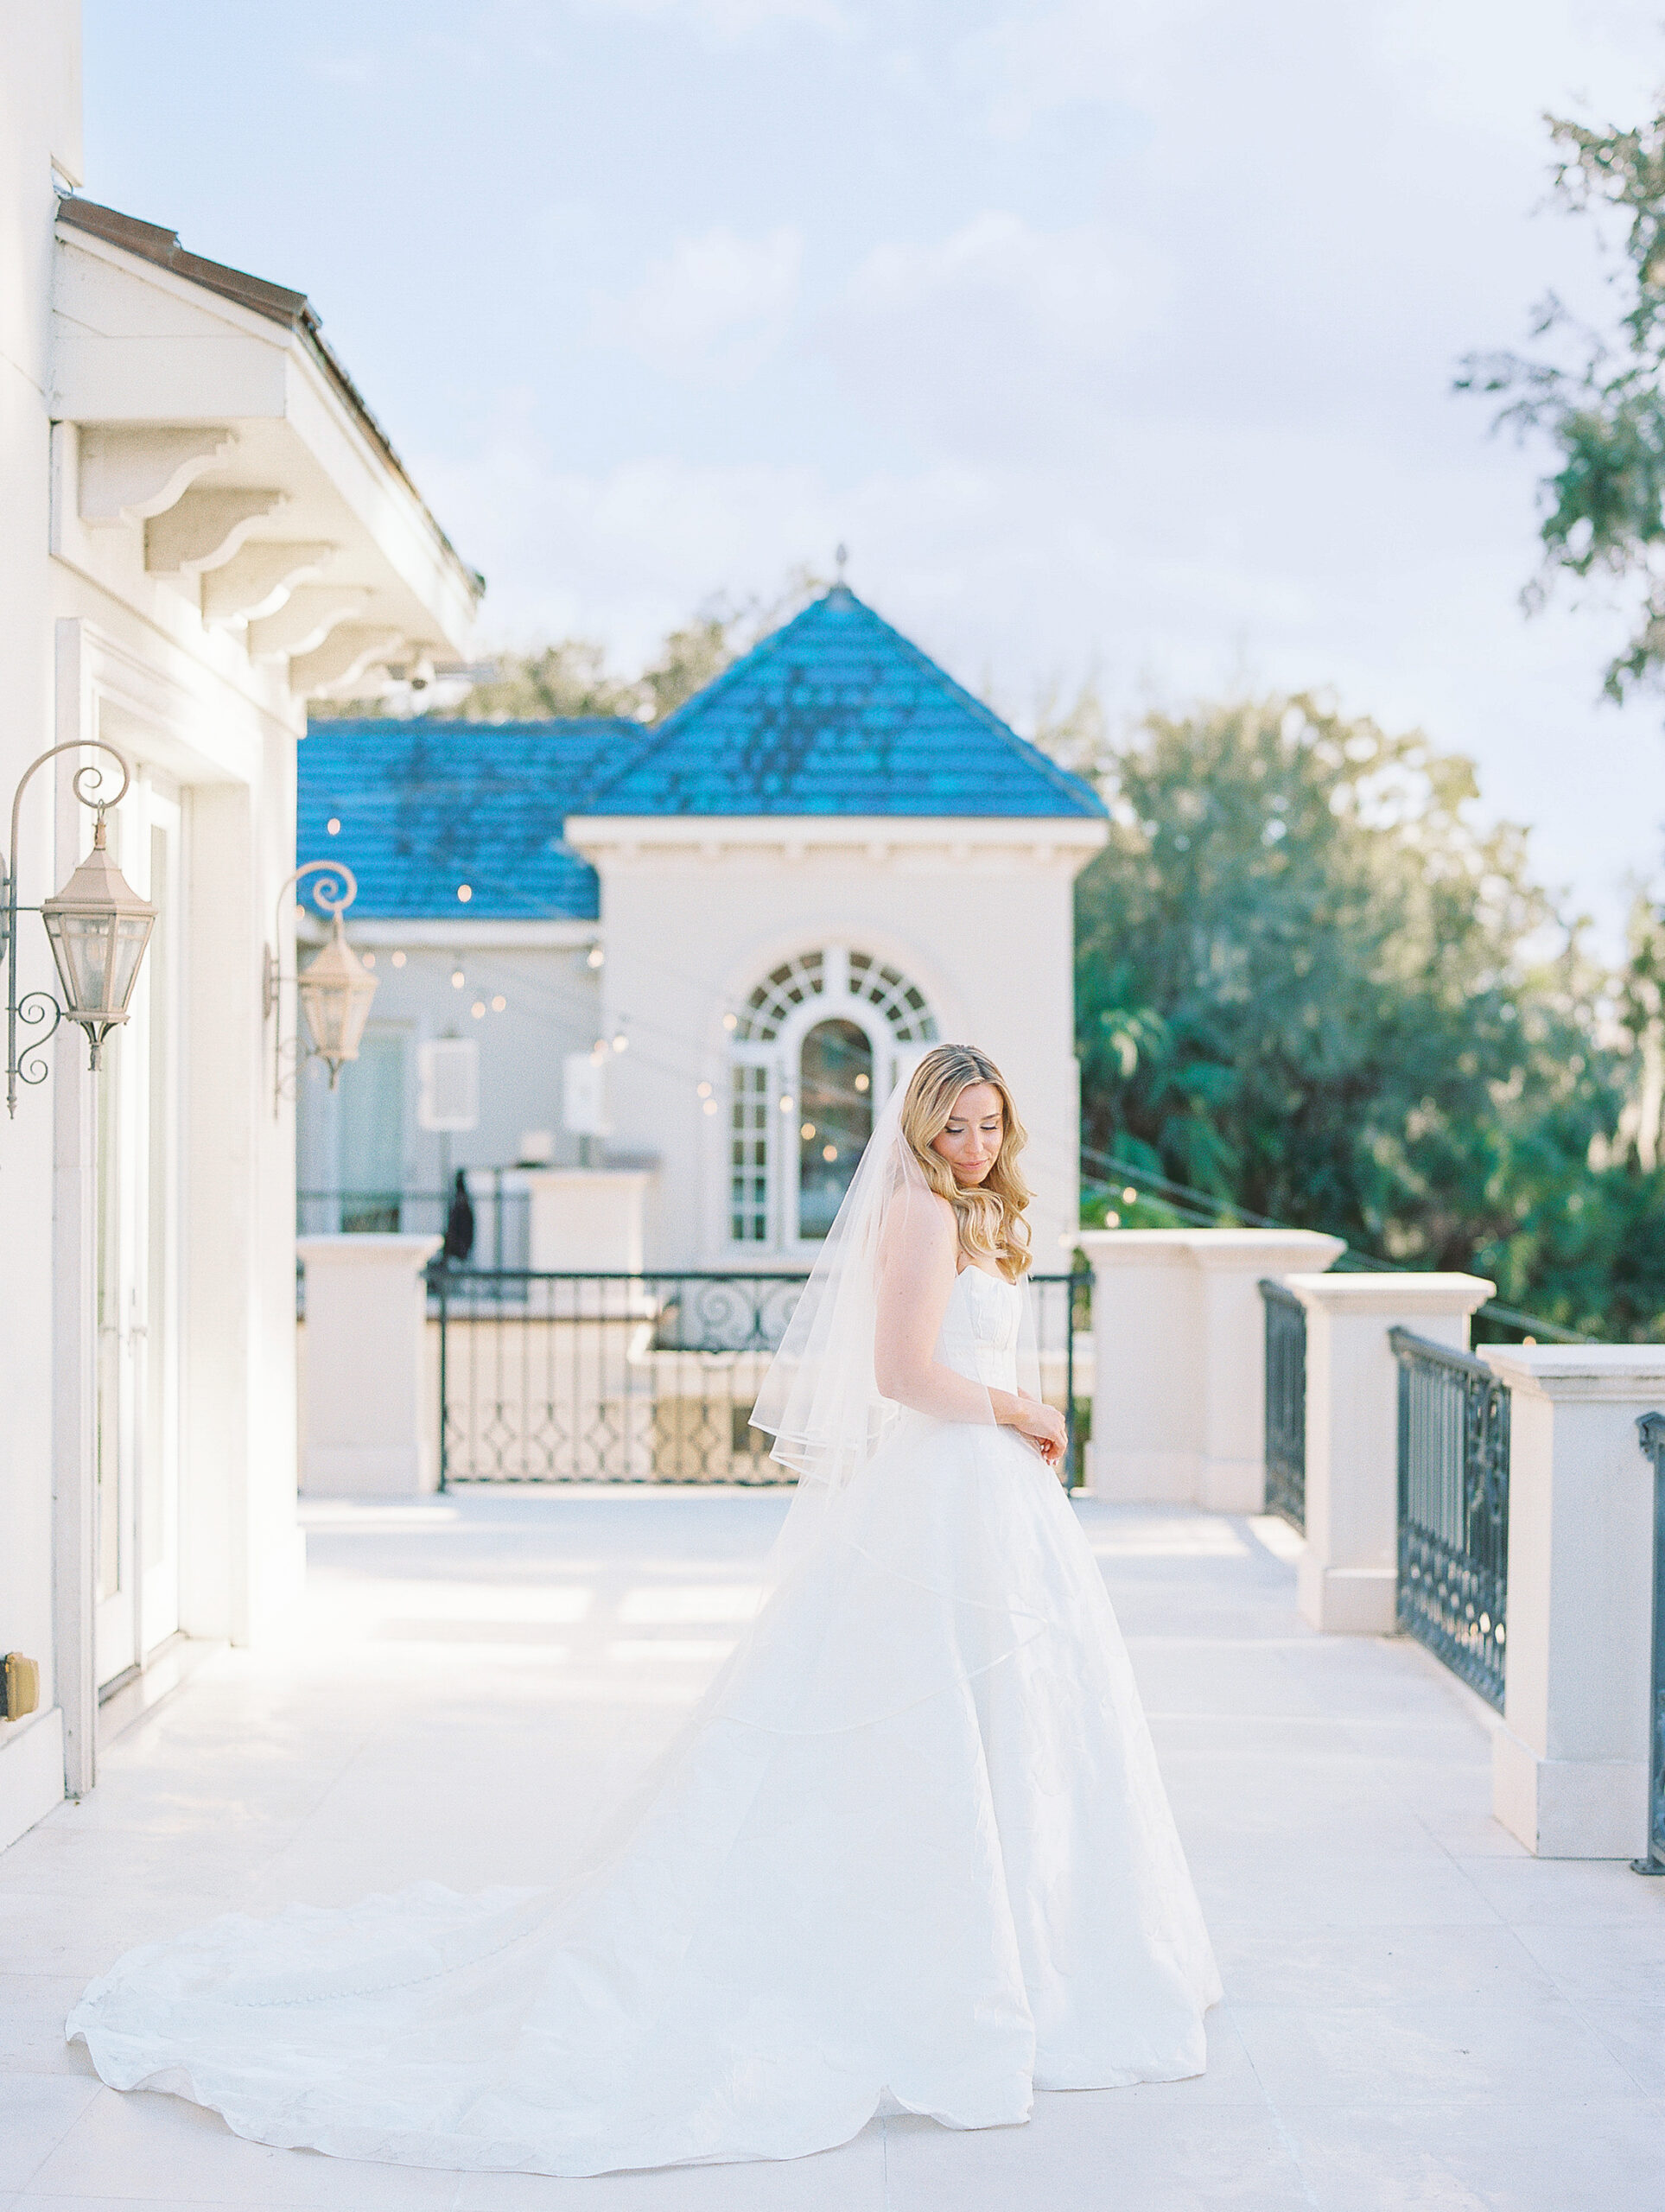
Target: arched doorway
x,y
835,1098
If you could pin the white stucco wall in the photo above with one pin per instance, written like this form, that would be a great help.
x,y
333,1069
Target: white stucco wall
x,y
979,915
552,1007
39,126
100,644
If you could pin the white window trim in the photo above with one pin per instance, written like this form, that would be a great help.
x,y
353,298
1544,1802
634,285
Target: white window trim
x,y
893,1063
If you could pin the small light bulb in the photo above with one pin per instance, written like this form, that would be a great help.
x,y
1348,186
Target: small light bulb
x,y
399,960
621,1043
595,957
807,1131
456,979
477,1009
731,1021
787,1103
703,1090
711,1105
465,891
499,1003
830,1152
861,1082
370,960
1129,1196
1112,1220
333,825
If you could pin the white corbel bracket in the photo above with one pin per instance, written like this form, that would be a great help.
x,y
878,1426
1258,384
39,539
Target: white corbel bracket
x,y
342,661
308,616
131,475
258,580
205,529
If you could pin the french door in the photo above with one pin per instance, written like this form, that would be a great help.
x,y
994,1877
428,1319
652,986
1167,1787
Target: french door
x,y
137,1259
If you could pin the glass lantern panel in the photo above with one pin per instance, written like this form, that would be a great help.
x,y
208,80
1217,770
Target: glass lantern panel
x,y
132,934
336,1008
81,946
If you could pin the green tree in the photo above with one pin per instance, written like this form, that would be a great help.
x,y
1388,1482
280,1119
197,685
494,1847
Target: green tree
x,y
1599,403
1307,984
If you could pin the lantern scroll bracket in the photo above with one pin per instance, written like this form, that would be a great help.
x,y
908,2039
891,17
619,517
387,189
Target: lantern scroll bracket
x,y
332,992
97,927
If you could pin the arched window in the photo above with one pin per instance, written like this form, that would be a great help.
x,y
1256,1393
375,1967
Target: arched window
x,y
816,1045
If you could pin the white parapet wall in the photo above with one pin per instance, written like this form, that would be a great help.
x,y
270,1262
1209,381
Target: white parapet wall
x,y
1180,1362
369,1430
1348,1577
1570,1762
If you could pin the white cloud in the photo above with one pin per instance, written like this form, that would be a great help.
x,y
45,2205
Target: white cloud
x,y
715,307
997,339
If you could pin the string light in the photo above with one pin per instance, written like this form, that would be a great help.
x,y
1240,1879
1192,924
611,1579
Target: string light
x,y
456,979
477,1009
830,1152
731,1021
333,825
621,1043
1130,1197
861,1082
499,1003
787,1103
703,1090
807,1131
595,956
465,891
711,1105
369,959
399,960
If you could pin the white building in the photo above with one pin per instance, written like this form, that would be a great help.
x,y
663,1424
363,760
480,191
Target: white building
x,y
202,525
757,916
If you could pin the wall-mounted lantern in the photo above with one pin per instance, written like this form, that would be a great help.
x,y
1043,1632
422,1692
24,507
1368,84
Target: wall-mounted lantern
x,y
333,990
97,927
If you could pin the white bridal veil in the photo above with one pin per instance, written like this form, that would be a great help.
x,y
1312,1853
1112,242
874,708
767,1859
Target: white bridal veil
x,y
820,1399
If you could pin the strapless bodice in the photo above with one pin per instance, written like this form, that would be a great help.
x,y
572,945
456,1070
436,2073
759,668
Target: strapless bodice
x,y
981,1338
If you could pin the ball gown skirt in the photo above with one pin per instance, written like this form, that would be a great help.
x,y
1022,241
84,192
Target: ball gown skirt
x,y
911,1849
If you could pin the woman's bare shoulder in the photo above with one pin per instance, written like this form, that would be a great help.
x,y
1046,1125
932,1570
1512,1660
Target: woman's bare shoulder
x,y
921,1227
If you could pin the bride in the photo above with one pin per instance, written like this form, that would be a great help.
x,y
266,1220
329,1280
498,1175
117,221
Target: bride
x,y
912,1851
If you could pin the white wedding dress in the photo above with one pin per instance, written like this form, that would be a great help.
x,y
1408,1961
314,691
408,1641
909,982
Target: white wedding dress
x,y
911,1849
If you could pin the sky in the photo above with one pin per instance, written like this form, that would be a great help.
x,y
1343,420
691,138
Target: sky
x,y
1114,340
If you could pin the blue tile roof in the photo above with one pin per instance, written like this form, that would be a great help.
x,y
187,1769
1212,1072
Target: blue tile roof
x,y
425,806
836,713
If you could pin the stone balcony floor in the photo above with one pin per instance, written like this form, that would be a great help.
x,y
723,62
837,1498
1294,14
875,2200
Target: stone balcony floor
x,y
1419,2016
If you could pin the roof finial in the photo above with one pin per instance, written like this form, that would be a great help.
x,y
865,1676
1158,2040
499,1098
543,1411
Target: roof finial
x,y
842,555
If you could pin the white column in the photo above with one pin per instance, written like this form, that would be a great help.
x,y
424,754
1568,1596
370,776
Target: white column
x,y
587,1220
1180,1360
1569,1765
1348,1578
369,1430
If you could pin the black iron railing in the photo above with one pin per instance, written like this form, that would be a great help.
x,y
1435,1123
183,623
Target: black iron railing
x,y
500,1207
1652,1431
1453,1508
1286,1403
557,1378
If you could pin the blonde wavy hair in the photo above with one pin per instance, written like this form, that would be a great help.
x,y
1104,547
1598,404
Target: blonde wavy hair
x,y
989,1214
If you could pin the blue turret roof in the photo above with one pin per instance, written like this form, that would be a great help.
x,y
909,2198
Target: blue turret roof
x,y
836,713
425,807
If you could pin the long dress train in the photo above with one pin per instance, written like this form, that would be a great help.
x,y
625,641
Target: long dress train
x,y
913,1846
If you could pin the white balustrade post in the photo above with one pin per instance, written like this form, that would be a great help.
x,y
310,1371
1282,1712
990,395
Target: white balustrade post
x,y
1569,1765
1180,1360
1347,1580
587,1220
369,1430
